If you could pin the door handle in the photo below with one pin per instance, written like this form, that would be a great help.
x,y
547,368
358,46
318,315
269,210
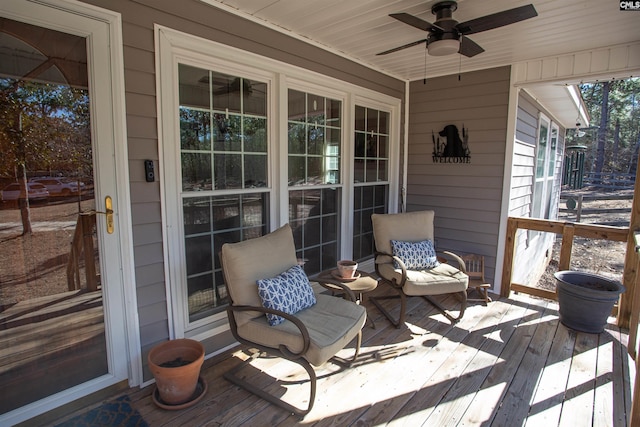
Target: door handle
x,y
108,212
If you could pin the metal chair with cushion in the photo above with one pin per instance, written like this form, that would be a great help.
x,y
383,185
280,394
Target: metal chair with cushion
x,y
406,260
274,309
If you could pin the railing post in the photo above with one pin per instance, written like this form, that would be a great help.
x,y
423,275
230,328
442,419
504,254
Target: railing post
x,y
88,223
629,276
568,232
507,268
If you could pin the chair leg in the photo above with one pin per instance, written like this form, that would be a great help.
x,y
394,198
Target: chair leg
x,y
403,307
358,344
445,313
232,377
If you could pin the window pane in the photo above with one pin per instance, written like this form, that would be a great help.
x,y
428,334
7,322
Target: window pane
x,y
370,166
194,86
196,171
383,144
227,132
313,215
372,120
255,134
372,146
315,170
318,142
255,167
255,98
228,171
315,144
195,129
371,173
297,106
334,115
197,215
360,124
383,123
198,254
315,109
297,170
226,91
382,170
235,218
297,138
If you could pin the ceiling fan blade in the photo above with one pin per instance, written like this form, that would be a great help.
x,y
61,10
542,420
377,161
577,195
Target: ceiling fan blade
x,y
395,49
416,22
497,20
469,48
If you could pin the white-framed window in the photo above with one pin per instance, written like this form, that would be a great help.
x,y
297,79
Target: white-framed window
x,y
315,135
224,162
370,175
546,147
248,144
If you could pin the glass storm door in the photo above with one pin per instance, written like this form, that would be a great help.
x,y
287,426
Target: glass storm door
x,y
52,273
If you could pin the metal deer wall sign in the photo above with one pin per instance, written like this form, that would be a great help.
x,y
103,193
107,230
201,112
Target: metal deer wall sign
x,y
453,149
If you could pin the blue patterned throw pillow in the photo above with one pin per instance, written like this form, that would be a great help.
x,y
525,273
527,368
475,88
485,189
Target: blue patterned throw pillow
x,y
289,292
415,255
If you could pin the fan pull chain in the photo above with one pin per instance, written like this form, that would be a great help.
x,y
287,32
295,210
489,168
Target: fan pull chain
x,y
424,81
460,58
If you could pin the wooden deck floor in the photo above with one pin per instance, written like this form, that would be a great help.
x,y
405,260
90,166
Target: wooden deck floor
x,y
509,364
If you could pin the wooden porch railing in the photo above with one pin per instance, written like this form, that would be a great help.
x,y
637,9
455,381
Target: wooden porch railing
x,y
568,230
82,245
629,306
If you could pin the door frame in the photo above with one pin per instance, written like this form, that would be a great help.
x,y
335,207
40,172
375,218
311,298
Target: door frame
x,y
103,31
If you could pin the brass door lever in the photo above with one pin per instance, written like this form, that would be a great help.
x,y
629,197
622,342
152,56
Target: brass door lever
x,y
108,207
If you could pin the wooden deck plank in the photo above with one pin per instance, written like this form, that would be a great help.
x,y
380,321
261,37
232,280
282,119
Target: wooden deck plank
x,y
468,385
499,365
546,405
621,388
444,365
478,352
577,409
517,401
380,354
603,400
487,396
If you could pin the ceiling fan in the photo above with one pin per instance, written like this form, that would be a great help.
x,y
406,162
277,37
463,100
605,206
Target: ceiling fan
x,y
447,36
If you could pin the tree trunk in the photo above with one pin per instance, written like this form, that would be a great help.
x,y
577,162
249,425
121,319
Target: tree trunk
x,y
616,145
23,201
602,131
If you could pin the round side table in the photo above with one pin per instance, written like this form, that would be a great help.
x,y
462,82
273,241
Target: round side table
x,y
362,283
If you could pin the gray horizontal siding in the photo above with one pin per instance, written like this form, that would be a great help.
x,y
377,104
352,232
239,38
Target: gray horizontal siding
x,y
202,20
465,197
530,254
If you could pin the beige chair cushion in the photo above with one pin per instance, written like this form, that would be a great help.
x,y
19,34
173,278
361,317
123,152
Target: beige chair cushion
x,y
332,323
270,255
406,227
442,279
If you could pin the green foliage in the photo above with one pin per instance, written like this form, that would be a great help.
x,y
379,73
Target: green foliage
x,y
621,131
44,127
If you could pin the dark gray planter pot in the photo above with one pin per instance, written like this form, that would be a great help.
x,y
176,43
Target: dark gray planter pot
x,y
586,300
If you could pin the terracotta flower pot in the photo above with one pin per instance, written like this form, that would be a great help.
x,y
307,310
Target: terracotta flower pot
x,y
347,268
175,365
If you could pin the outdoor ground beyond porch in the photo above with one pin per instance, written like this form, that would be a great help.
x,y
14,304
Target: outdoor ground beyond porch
x,y
510,363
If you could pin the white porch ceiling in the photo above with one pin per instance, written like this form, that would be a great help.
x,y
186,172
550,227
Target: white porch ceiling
x,y
358,29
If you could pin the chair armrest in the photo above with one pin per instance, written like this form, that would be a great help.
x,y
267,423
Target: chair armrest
x,y
461,265
304,333
332,284
403,269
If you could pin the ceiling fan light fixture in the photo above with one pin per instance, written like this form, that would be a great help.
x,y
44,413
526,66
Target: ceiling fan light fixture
x,y
443,47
